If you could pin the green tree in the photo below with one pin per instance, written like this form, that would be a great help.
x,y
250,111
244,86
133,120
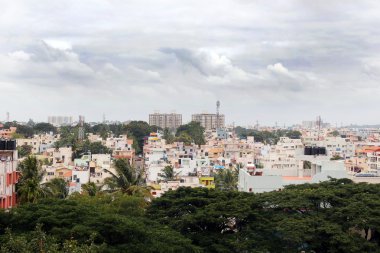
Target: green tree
x,y
106,223
168,173
194,130
29,188
184,137
41,128
57,188
138,130
226,179
24,150
90,189
127,179
94,147
168,136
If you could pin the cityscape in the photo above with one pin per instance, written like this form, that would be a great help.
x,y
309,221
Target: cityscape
x,y
267,137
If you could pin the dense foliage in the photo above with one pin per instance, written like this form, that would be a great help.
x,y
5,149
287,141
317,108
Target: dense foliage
x,y
336,216
24,150
109,223
191,132
267,136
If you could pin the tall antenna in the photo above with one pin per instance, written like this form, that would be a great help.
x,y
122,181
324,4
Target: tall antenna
x,y
104,118
81,128
217,114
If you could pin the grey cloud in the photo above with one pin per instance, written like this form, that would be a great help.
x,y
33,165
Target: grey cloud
x,y
259,57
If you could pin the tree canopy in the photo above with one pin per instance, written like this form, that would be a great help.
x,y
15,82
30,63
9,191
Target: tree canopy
x,y
194,130
267,136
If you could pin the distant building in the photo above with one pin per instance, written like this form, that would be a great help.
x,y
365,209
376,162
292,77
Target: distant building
x,y
209,120
165,120
60,120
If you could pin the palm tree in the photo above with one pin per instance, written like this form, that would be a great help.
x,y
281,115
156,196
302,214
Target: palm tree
x,y
226,179
57,187
90,189
168,173
29,188
126,179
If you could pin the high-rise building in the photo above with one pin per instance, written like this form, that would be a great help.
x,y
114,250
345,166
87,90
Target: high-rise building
x,y
8,174
165,120
209,120
60,120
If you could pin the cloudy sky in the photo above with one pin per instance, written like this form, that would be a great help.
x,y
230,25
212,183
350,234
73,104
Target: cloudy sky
x,y
277,60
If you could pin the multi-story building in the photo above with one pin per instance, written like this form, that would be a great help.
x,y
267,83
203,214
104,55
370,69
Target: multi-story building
x,y
60,120
8,174
165,120
209,120
39,143
121,146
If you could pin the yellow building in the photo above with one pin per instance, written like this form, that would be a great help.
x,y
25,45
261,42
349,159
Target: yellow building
x,y
208,182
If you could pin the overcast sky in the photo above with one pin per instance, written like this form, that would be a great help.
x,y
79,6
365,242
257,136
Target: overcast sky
x,y
265,60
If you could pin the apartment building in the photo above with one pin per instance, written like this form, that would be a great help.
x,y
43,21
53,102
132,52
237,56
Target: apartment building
x,y
165,120
282,156
209,120
336,146
60,120
8,174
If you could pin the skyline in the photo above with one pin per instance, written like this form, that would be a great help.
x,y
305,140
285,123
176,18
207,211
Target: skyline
x,y
266,61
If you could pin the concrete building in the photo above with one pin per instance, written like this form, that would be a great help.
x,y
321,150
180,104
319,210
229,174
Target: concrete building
x,y
8,174
165,120
264,180
336,146
209,120
60,120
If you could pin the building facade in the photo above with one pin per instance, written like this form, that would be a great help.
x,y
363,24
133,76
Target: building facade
x,y
8,174
60,120
209,120
165,120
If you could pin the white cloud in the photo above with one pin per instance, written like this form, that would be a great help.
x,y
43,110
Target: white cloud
x,y
278,68
20,55
58,44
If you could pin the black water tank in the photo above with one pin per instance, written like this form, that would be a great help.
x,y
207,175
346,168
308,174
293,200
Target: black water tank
x,y
315,150
307,151
11,145
322,151
3,144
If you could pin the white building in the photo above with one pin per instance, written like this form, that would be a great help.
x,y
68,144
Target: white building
x,y
60,120
256,180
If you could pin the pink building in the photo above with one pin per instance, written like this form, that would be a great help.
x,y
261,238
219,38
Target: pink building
x,y
8,174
